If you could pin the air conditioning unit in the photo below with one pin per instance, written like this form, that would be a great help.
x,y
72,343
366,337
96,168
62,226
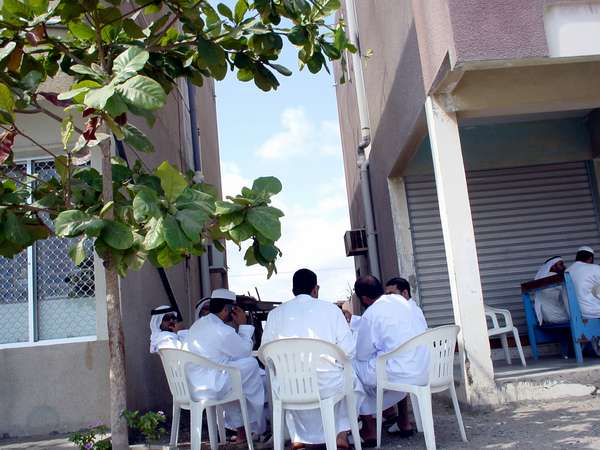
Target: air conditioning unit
x,y
356,242
216,260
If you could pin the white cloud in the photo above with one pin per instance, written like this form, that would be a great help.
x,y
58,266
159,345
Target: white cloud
x,y
301,135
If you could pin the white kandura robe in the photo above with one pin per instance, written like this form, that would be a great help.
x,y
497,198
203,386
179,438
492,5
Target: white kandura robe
x,y
586,278
550,304
385,325
211,338
308,317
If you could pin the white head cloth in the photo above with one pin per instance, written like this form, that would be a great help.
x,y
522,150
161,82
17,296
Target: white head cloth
x,y
156,318
544,271
585,248
201,304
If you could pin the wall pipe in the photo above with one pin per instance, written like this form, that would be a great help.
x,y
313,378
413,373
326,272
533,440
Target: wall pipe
x,y
197,157
364,146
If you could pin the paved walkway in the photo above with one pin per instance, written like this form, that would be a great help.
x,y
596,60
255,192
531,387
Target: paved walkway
x,y
572,424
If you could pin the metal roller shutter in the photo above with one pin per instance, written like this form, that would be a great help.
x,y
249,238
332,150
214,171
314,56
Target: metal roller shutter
x,y
521,217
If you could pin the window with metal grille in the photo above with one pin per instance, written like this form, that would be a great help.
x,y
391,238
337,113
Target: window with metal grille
x,y
43,294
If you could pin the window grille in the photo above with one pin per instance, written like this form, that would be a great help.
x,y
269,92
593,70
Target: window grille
x,y
44,295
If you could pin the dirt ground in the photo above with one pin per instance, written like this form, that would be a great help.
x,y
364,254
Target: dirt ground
x,y
570,424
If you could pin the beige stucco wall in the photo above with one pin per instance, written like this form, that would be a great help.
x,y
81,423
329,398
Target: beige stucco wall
x,y
53,388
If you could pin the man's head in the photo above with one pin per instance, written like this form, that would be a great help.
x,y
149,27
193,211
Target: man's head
x,y
304,281
398,286
203,307
163,318
585,254
557,265
221,304
368,289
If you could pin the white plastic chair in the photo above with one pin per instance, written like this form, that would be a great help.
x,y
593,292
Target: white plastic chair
x,y
503,331
440,342
175,362
292,365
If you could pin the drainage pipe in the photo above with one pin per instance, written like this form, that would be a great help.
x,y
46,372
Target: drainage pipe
x,y
364,146
197,158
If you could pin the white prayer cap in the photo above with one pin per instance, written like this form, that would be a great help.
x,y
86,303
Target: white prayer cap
x,y
223,294
585,248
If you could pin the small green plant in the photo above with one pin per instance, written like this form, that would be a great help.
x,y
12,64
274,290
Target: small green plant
x,y
92,438
148,425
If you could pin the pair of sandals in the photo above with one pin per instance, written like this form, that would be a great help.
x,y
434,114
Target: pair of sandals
x,y
392,428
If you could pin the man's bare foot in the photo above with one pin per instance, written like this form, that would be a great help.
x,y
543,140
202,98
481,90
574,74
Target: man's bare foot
x,y
240,437
342,440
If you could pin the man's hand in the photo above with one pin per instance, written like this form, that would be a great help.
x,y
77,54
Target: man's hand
x,y
238,315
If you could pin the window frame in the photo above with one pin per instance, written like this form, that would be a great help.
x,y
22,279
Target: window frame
x,y
32,300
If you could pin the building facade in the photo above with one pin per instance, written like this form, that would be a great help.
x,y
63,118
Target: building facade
x,y
54,341
483,156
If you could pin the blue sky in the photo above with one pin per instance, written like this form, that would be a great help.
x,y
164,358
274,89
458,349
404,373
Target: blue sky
x,y
291,133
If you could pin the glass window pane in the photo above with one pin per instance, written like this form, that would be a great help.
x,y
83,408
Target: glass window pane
x,y
66,305
13,299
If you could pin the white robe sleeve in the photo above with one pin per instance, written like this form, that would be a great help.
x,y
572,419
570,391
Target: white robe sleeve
x,y
169,340
238,345
365,345
344,338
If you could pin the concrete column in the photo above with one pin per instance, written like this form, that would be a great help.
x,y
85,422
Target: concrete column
x,y
402,234
461,255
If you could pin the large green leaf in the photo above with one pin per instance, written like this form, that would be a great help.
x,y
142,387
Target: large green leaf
x,y
71,223
7,49
192,222
168,258
129,63
137,139
82,31
97,98
7,104
117,235
241,232
155,235
272,185
15,230
223,207
77,253
265,221
143,92
171,180
145,205
194,198
174,235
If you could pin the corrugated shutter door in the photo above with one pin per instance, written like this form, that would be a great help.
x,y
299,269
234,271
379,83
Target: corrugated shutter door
x,y
521,217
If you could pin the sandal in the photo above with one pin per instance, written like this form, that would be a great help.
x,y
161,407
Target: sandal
x,y
395,430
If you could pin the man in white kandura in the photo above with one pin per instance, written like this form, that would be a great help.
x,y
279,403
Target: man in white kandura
x,y
211,338
389,321
549,303
586,278
306,316
165,329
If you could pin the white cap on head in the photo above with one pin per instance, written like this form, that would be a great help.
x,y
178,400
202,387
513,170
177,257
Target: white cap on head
x,y
223,294
585,248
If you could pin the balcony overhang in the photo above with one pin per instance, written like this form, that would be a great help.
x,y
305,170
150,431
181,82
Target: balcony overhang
x,y
511,88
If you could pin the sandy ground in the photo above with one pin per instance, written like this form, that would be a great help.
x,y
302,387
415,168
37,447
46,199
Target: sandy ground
x,y
571,424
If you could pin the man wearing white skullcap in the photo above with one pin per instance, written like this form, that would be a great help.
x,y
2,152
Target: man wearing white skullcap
x,y
550,303
164,328
211,338
586,279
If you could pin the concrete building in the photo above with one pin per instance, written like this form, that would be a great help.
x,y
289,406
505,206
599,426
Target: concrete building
x,y
484,133
53,338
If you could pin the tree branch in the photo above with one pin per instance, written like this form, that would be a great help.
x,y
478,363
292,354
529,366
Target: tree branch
x,y
30,139
54,116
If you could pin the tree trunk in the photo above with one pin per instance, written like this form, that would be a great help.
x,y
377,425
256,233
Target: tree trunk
x,y
116,343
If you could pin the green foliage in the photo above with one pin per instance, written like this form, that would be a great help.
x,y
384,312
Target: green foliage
x,y
92,439
124,59
149,425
